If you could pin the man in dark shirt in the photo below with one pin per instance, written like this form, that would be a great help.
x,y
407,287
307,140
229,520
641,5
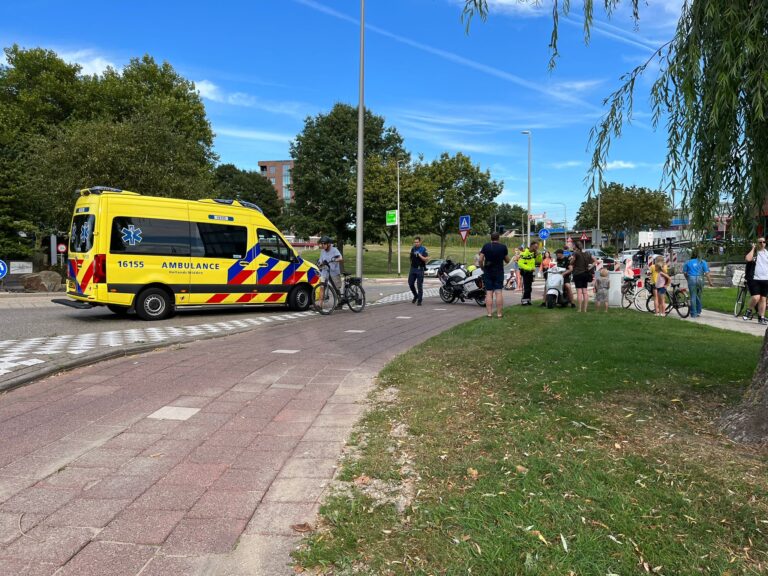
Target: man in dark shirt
x,y
418,259
493,256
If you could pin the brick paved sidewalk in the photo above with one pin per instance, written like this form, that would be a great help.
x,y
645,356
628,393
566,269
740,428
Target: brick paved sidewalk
x,y
196,459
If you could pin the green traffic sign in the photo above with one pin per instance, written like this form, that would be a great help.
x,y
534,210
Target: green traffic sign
x,y
391,217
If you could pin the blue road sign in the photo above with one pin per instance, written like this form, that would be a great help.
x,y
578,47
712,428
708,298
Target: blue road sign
x,y
543,233
464,222
3,269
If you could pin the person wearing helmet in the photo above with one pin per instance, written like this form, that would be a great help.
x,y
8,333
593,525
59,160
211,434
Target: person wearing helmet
x,y
331,256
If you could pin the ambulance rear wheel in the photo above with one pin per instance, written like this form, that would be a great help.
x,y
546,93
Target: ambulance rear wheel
x,y
299,298
154,304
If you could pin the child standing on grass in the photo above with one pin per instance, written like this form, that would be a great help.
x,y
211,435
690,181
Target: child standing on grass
x,y
662,281
601,289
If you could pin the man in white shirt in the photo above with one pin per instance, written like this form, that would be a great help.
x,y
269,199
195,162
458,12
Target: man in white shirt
x,y
760,255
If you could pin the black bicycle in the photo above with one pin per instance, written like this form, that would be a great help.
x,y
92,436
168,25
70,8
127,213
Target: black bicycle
x,y
326,297
678,298
628,292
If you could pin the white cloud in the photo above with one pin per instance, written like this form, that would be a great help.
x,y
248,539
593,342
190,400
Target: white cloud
x,y
257,135
89,60
567,164
620,165
578,85
210,91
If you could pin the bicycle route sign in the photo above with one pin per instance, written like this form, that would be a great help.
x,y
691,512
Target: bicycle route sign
x,y
392,218
543,233
3,269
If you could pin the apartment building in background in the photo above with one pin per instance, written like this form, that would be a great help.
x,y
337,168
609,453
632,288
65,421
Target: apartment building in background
x,y
278,172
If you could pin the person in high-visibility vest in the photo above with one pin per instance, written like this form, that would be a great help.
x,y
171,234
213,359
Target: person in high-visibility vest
x,y
528,260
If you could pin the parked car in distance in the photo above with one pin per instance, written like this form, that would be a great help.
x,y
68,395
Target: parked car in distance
x,y
602,258
432,267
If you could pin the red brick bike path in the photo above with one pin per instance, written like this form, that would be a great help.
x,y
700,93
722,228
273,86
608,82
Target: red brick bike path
x,y
195,459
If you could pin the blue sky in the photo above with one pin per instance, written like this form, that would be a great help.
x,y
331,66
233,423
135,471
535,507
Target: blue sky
x,y
263,66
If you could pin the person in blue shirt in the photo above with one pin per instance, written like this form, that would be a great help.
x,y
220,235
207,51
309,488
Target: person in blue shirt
x,y
418,258
493,256
695,270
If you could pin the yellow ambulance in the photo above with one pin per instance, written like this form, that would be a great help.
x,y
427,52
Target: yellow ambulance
x,y
151,255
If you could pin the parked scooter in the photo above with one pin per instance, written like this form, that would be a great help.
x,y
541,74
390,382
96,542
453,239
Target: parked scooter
x,y
554,291
461,283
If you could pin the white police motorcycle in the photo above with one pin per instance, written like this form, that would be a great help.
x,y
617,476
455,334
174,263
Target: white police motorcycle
x,y
461,283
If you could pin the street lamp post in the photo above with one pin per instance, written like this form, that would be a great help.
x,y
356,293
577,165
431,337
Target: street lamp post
x,y
360,150
528,132
398,218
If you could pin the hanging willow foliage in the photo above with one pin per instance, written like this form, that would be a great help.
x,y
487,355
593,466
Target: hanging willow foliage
x,y
710,93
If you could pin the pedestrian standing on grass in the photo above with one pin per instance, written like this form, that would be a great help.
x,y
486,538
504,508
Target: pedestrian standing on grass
x,y
754,291
581,265
661,283
694,271
759,255
418,258
602,283
493,256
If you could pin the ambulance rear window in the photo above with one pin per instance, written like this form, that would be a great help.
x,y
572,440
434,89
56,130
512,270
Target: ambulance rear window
x,y
81,235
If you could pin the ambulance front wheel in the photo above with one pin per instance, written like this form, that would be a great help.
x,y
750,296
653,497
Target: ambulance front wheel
x,y
154,304
299,298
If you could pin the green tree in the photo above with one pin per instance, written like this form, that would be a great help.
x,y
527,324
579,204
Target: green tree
x,y
37,91
510,216
710,92
455,187
251,186
625,209
325,155
381,195
142,129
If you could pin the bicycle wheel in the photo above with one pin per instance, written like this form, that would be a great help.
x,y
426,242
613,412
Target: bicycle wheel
x,y
355,298
740,298
627,296
640,297
650,304
682,304
325,304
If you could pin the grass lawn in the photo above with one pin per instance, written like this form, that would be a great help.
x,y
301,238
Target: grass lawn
x,y
720,299
552,443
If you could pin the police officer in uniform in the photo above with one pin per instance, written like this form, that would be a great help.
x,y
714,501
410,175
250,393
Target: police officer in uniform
x,y
528,260
418,259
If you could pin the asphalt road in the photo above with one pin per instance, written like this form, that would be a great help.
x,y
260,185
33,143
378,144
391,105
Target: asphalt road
x,y
38,317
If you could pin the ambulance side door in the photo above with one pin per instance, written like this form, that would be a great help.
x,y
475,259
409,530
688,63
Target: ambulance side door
x,y
276,266
222,271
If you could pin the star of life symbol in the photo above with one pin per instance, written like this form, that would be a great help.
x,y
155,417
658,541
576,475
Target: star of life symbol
x,y
131,235
85,232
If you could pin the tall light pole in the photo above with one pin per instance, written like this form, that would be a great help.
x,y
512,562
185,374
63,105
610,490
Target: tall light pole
x,y
528,132
398,218
360,163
